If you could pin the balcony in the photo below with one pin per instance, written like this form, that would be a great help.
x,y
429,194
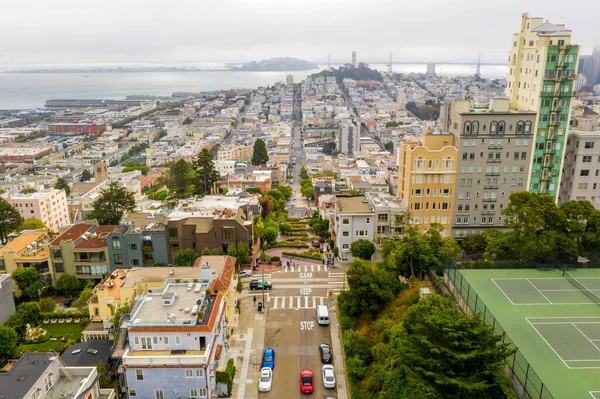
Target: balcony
x,y
492,173
165,358
495,147
490,199
490,186
488,212
494,160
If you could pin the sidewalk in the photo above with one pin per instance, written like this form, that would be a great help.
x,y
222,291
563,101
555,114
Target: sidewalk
x,y
340,374
245,347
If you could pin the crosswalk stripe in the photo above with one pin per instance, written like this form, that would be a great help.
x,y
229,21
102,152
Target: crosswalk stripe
x,y
306,302
298,301
291,302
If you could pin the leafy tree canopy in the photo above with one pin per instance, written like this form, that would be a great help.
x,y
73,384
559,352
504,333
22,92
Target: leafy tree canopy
x,y
112,203
260,155
10,219
61,184
69,285
206,174
363,249
185,257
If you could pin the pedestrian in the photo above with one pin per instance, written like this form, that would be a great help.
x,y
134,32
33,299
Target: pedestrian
x,y
254,299
323,262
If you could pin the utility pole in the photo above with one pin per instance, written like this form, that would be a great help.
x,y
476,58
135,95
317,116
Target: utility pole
x,y
264,289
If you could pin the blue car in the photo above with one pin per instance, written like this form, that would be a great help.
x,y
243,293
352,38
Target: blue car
x,y
268,359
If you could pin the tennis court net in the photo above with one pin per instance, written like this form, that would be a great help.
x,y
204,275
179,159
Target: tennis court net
x,y
595,298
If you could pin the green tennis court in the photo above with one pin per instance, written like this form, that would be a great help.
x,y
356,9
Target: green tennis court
x,y
553,319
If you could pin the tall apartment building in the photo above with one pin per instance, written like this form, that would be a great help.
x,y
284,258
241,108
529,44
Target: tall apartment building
x,y
494,145
176,337
50,206
542,71
45,376
581,169
354,219
349,138
426,179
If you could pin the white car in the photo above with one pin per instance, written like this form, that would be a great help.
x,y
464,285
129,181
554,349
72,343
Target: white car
x,y
328,376
245,273
266,379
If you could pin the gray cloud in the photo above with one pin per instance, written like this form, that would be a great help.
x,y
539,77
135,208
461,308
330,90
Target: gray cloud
x,y
71,31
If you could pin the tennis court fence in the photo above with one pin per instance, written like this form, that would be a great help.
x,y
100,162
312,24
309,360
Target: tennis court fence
x,y
525,380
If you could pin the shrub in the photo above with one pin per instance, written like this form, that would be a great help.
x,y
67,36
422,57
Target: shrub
x,y
303,255
275,258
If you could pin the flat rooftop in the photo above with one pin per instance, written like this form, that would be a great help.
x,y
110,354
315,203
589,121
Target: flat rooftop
x,y
152,309
347,205
20,244
65,388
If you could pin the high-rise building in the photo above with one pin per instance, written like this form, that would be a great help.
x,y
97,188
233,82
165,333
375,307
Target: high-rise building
x,y
494,145
289,79
542,70
586,68
49,206
354,64
581,81
431,68
349,139
581,168
426,179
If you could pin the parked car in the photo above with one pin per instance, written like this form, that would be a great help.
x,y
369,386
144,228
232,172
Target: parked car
x,y
266,379
328,376
245,273
307,381
316,244
260,285
268,359
68,302
325,351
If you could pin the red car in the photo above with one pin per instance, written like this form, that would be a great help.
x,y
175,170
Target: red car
x,y
307,381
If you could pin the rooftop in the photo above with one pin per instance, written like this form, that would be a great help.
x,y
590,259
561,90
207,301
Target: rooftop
x,y
88,353
86,236
223,267
347,205
37,195
213,206
29,245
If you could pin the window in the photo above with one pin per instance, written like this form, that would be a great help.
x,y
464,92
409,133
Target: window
x,y
159,394
118,258
493,127
345,246
467,128
173,232
189,373
133,247
475,127
582,186
382,217
345,234
228,234
203,393
139,375
199,373
116,243
194,392
345,221
589,144
132,392
501,127
520,127
368,220
587,159
177,340
166,340
584,172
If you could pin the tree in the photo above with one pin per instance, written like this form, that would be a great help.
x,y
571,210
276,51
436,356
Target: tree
x,y
28,190
47,305
32,224
10,219
447,353
389,146
232,250
243,253
206,174
185,257
180,179
304,174
363,249
474,244
122,309
8,343
286,191
259,154
308,192
68,284
61,184
86,175
84,297
30,313
270,234
111,204
25,277
329,148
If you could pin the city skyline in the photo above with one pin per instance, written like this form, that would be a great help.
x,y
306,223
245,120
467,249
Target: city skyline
x,y
116,32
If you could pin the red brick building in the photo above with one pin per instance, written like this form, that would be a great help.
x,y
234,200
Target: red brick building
x,y
87,128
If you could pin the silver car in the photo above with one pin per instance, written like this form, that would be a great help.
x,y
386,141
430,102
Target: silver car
x,y
328,376
266,379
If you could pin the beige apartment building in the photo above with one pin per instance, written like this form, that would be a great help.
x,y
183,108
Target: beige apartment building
x,y
49,206
427,178
581,169
29,249
494,145
542,74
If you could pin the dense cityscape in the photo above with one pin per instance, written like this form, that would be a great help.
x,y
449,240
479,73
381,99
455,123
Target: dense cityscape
x,y
358,233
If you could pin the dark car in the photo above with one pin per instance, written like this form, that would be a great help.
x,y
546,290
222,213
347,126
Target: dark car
x,y
69,301
316,244
325,352
260,285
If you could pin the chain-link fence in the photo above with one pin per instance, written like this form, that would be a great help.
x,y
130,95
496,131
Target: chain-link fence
x,y
470,302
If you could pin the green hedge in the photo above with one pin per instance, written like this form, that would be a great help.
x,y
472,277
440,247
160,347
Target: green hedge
x,y
83,314
227,376
303,255
289,244
297,233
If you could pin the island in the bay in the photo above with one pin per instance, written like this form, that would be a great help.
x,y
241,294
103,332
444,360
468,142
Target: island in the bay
x,y
278,64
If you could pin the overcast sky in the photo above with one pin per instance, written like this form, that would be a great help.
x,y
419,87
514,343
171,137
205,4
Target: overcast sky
x,y
106,31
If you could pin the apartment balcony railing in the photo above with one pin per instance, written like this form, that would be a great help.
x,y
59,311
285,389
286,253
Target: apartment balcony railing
x,y
490,186
495,146
492,173
490,199
494,160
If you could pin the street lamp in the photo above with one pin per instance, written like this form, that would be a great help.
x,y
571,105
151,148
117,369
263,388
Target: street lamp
x,y
40,290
